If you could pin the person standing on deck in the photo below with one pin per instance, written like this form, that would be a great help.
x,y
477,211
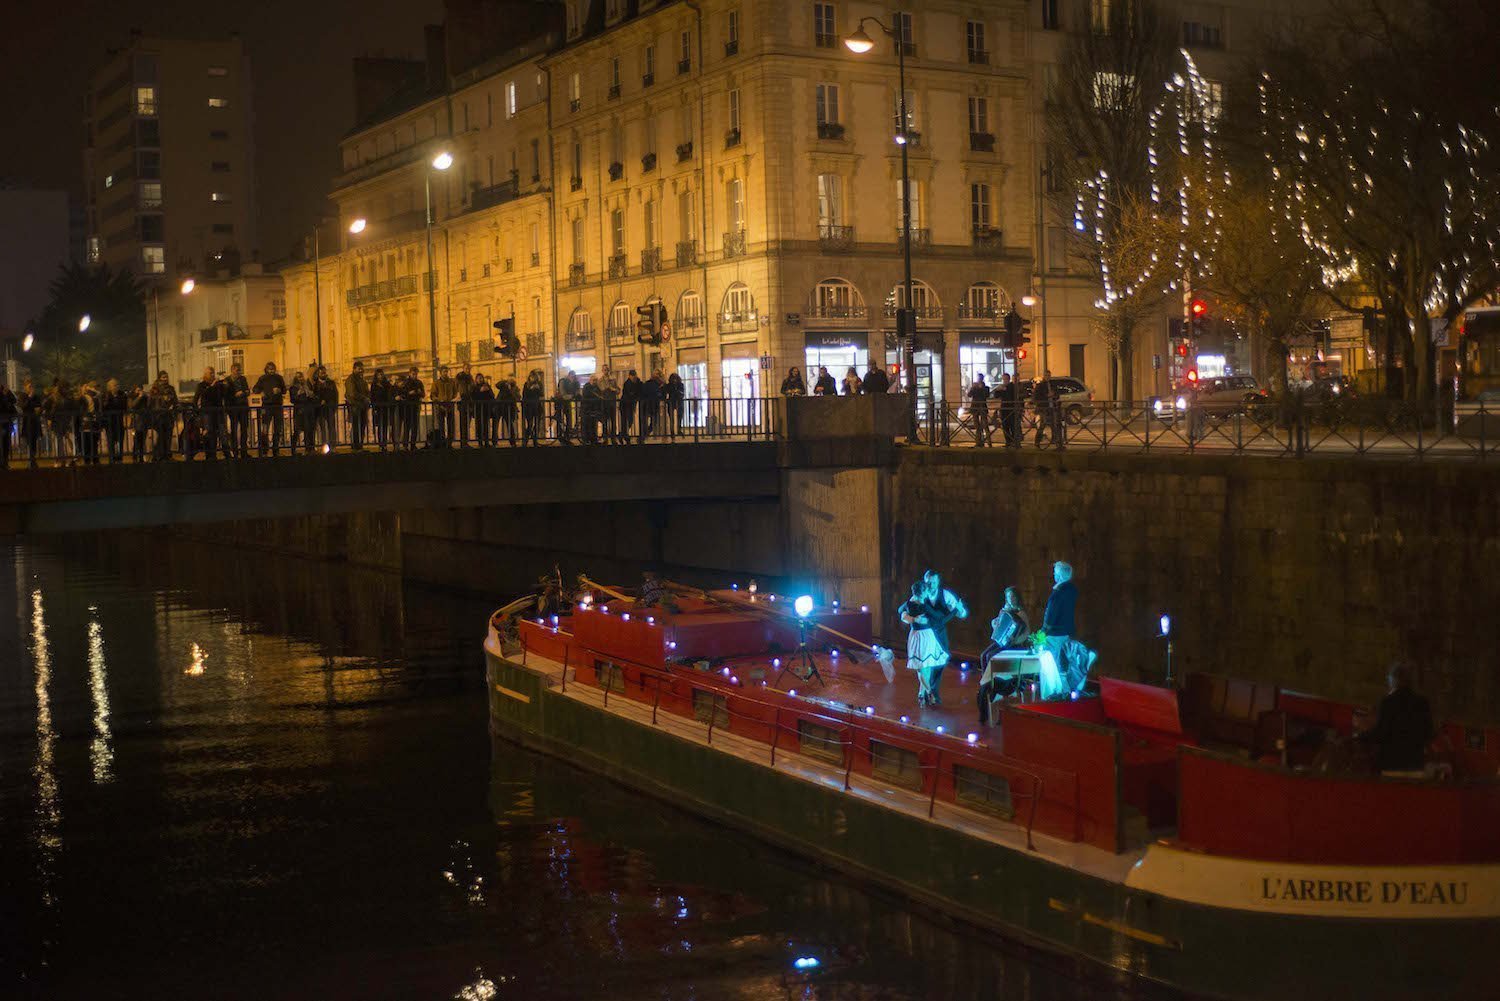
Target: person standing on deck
x,y
928,611
1071,659
1403,728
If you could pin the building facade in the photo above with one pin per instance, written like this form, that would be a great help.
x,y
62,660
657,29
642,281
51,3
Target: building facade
x,y
169,161
734,161
223,321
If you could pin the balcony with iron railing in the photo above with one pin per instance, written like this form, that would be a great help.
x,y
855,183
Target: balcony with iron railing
x,y
391,288
982,142
614,92
576,341
833,236
739,322
823,40
687,252
495,194
536,343
616,170
925,314
921,236
650,260
684,151
575,183
734,243
732,47
989,240
974,313
693,326
536,258
648,163
979,57
576,273
575,104
684,66
617,267
732,138
830,130
647,79
831,312
620,336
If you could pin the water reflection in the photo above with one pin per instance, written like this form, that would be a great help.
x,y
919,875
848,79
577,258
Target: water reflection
x,y
101,753
47,838
321,813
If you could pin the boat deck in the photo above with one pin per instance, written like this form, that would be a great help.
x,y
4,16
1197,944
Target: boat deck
x,y
860,684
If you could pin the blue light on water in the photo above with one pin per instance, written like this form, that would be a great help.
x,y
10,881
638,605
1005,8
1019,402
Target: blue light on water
x,y
805,962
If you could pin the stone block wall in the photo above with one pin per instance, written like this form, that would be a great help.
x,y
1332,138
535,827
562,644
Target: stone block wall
x,y
1313,574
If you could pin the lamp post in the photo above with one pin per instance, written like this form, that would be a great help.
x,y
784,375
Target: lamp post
x,y
442,161
186,288
906,318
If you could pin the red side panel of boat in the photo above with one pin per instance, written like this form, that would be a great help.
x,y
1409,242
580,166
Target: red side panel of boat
x,y
1087,752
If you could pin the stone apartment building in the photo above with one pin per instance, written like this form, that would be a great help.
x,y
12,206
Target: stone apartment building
x,y
731,159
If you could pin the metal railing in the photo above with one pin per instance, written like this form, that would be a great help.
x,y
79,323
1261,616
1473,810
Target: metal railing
x,y
188,432
1273,428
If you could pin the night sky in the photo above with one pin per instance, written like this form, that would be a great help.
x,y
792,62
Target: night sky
x,y
300,56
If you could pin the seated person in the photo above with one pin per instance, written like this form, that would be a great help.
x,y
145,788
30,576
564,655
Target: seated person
x,y
1403,727
1009,630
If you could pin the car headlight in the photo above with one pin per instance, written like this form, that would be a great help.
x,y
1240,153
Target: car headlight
x,y
1156,406
1337,389
1182,403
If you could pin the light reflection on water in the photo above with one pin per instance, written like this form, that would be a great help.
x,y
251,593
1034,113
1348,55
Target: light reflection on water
x,y
277,782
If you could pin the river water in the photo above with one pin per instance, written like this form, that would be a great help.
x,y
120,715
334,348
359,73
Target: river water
x,y
226,774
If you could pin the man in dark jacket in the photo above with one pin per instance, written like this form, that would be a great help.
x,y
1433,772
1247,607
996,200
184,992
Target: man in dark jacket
x,y
463,385
590,400
630,397
825,386
566,402
411,394
979,409
237,408
112,406
327,392
875,381
8,413
1403,727
651,391
444,391
1009,395
208,401
1073,659
357,401
271,388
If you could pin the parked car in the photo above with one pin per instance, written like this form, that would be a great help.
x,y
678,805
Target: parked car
x,y
1076,398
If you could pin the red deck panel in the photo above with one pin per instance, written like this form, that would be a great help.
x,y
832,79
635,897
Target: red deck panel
x,y
1087,751
1144,706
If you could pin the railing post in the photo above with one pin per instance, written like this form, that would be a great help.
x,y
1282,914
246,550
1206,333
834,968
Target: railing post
x,y
713,712
567,655
776,736
848,760
655,705
1104,429
937,770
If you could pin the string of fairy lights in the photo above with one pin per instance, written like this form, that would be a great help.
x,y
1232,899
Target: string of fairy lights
x,y
1182,127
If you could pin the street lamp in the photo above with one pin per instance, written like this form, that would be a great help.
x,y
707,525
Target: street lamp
x,y
357,227
28,341
83,322
186,288
859,42
442,161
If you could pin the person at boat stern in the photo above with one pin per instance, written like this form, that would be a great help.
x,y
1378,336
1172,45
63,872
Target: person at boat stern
x,y
1403,727
1073,659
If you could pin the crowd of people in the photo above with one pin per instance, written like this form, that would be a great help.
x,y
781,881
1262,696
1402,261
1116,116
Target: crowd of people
x,y
226,415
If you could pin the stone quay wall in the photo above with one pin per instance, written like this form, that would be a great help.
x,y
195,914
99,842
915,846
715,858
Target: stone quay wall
x,y
1310,574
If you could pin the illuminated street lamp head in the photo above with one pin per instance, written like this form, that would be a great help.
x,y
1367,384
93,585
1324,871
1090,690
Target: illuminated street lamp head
x,y
803,606
83,322
357,226
1028,300
28,341
1166,625
859,43
442,161
188,285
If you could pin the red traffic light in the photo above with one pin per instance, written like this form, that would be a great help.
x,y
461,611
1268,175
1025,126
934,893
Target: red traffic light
x,y
1192,375
1198,307
1020,354
1182,350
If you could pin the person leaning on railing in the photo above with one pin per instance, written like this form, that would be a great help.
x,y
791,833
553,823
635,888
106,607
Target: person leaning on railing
x,y
533,397
382,403
675,393
163,405
271,388
357,402
793,384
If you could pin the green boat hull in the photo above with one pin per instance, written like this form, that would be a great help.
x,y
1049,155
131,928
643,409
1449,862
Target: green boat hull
x,y
1202,950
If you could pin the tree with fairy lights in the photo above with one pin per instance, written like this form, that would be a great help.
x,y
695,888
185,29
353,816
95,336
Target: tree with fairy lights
x,y
1130,139
1382,145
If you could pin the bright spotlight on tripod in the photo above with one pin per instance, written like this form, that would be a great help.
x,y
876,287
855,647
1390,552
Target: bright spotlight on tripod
x,y
803,668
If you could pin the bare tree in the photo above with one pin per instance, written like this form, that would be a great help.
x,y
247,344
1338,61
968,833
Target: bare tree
x,y
1383,150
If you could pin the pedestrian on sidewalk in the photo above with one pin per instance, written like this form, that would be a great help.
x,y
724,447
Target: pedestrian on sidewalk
x,y
979,409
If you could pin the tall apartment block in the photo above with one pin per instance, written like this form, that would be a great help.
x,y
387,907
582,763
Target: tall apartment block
x,y
169,158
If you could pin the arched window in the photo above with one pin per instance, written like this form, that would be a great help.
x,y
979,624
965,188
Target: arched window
x,y
738,312
983,301
580,331
689,313
836,299
620,317
923,299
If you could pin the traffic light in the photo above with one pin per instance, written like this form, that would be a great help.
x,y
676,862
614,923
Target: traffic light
x,y
1192,376
507,344
1198,311
653,318
1017,329
1182,349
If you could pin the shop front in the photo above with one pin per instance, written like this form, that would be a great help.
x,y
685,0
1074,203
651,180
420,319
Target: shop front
x,y
929,366
838,351
983,352
741,377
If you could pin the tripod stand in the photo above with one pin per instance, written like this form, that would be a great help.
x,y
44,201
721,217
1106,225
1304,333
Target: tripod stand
x,y
803,668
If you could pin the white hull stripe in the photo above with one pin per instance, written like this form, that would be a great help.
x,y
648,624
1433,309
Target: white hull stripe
x,y
1392,892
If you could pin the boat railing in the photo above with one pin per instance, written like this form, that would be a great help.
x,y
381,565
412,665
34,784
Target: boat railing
x,y
852,734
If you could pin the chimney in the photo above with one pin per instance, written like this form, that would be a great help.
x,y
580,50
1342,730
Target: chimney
x,y
437,66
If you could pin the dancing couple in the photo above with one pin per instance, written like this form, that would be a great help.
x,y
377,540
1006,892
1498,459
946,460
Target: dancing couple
x,y
928,611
